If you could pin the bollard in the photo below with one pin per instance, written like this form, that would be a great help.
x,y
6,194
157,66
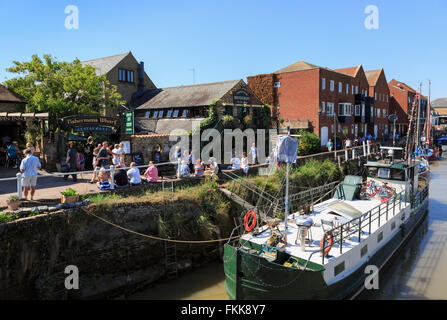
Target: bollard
x,y
346,155
19,185
353,153
112,178
179,163
369,147
364,149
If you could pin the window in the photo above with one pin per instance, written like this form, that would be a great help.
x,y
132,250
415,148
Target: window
x,y
384,113
125,75
339,128
380,237
147,114
323,83
330,108
356,89
332,85
277,84
160,114
344,109
332,128
375,96
393,225
347,88
357,110
372,112
363,251
378,113
352,129
322,106
352,91
339,268
340,87
176,111
169,113
155,114
185,113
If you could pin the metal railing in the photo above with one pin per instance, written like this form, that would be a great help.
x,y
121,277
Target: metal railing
x,y
112,171
381,213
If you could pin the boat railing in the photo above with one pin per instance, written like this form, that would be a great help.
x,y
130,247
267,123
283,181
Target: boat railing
x,y
363,224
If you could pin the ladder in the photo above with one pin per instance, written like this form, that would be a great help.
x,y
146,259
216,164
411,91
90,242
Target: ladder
x,y
170,247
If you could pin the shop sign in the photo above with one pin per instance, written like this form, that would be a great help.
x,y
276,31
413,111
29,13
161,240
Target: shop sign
x,y
241,97
129,123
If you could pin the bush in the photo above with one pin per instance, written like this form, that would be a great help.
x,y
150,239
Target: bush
x,y
309,143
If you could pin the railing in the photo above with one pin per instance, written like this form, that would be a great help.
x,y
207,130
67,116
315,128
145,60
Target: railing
x,y
112,171
381,213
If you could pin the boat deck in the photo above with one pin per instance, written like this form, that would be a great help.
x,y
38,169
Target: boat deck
x,y
315,233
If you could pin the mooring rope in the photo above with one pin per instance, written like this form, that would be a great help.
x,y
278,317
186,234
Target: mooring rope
x,y
158,238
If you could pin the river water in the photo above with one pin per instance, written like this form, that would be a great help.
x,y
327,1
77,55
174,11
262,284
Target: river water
x,y
416,272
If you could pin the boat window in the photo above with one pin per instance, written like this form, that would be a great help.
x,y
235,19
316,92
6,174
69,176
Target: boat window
x,y
380,237
398,174
339,268
384,173
364,250
393,225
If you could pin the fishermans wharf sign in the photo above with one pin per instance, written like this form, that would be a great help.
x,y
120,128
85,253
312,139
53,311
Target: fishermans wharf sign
x,y
84,123
241,97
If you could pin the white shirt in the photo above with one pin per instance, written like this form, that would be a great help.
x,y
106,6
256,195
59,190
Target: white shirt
x,y
134,175
117,159
236,163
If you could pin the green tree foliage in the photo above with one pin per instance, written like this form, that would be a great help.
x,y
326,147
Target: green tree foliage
x,y
309,143
61,88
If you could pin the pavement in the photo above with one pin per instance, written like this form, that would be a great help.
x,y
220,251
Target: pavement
x,y
47,187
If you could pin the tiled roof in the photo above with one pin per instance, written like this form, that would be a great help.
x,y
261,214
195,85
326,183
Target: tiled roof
x,y
7,95
186,96
104,65
352,71
402,85
439,103
298,66
372,76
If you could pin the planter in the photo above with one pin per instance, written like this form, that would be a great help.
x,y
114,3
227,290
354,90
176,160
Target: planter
x,y
13,205
70,199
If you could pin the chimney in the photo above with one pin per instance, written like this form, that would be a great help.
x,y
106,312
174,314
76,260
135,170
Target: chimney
x,y
141,76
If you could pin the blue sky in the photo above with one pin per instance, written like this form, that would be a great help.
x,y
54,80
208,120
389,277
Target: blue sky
x,y
231,39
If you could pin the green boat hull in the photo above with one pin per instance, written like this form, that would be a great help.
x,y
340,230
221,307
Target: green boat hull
x,y
251,277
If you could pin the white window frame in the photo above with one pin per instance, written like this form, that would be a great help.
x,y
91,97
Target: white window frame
x,y
378,113
356,89
340,87
332,84
323,107
346,108
347,88
323,83
357,110
330,108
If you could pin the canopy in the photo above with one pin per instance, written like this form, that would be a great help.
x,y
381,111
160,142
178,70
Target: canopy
x,y
286,149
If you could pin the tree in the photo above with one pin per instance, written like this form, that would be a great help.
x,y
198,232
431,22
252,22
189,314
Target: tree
x,y
309,143
61,88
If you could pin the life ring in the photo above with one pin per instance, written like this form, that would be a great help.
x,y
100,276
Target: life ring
x,y
390,193
330,240
247,216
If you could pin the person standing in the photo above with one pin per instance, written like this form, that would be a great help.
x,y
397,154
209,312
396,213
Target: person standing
x,y
28,167
72,156
11,155
330,145
103,157
348,143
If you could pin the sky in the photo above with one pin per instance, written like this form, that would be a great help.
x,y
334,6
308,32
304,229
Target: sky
x,y
232,39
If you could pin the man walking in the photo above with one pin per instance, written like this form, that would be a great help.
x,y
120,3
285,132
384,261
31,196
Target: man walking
x,y
28,168
72,155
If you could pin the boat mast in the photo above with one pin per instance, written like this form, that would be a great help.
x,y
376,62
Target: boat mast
x,y
429,115
418,123
286,214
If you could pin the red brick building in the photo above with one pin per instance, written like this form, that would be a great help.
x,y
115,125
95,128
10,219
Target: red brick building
x,y
324,101
380,92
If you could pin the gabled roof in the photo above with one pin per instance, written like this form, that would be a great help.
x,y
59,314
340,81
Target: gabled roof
x,y
298,66
7,95
439,103
372,76
352,71
184,96
401,85
104,65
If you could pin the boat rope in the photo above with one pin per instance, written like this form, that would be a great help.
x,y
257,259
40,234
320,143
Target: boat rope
x,y
158,238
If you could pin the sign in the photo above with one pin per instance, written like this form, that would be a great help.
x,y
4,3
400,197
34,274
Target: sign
x,y
106,130
138,159
126,147
241,97
129,123
90,123
392,117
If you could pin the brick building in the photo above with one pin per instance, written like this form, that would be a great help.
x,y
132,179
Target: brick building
x,y
380,92
324,101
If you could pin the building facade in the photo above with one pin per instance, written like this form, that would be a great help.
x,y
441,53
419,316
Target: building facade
x,y
380,93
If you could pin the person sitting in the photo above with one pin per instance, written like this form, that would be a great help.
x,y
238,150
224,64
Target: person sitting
x,y
235,163
214,167
134,175
184,170
120,177
199,168
103,180
151,174
244,162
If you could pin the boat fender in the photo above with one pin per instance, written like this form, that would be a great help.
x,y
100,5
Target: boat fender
x,y
330,238
247,216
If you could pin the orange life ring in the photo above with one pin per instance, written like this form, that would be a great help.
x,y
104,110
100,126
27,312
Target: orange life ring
x,y
330,240
247,216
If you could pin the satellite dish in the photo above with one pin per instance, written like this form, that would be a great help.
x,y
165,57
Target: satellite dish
x,y
392,117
